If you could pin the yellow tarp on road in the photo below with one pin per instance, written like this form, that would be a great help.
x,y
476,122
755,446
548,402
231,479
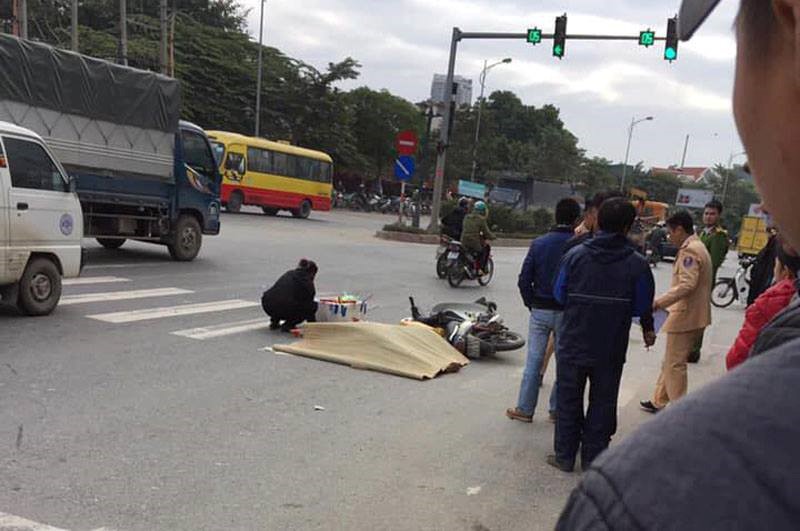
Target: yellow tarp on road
x,y
411,351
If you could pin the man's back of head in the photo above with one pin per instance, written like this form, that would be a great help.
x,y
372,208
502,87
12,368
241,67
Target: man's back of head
x,y
567,211
616,216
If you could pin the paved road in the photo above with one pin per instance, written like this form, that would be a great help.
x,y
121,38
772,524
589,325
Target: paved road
x,y
115,411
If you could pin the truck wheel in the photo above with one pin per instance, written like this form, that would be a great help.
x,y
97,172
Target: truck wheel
x,y
235,202
39,287
111,243
304,211
187,239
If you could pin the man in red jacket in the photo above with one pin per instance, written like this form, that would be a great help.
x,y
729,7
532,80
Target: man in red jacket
x,y
766,306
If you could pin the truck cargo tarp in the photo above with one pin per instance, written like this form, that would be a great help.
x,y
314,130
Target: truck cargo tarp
x,y
411,351
42,76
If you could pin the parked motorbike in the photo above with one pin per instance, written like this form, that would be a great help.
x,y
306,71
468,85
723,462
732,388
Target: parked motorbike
x,y
475,330
461,266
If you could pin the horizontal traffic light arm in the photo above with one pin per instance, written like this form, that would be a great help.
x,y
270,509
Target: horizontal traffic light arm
x,y
576,37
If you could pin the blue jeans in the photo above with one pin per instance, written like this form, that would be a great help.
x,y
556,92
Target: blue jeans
x,y
542,323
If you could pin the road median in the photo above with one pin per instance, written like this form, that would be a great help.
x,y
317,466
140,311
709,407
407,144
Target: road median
x,y
433,239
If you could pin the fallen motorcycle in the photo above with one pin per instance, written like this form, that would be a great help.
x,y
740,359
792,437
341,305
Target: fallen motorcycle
x,y
474,329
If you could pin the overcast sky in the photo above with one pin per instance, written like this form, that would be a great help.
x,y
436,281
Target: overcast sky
x,y
598,86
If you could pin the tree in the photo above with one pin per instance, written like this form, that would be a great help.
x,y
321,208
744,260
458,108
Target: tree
x,y
378,117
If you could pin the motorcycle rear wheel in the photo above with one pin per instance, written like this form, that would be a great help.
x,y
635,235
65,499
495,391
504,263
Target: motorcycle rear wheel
x,y
504,340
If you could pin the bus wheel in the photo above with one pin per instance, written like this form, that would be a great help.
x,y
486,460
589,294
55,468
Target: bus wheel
x,y
235,202
304,211
270,211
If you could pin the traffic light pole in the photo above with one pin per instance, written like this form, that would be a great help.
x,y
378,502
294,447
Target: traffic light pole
x,y
444,133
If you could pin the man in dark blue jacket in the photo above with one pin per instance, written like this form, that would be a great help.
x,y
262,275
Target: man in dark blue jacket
x,y
602,283
536,287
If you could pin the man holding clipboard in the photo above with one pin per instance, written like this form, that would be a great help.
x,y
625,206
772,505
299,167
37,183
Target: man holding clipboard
x,y
689,307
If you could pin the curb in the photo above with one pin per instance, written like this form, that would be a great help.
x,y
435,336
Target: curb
x,y
433,239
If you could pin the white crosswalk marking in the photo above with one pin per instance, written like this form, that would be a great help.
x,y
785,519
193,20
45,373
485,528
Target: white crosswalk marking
x,y
9,522
122,295
172,311
15,523
85,281
225,329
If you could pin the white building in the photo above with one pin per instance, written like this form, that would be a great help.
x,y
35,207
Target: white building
x,y
463,96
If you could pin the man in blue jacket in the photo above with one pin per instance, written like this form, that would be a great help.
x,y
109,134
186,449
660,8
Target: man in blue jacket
x,y
602,283
536,287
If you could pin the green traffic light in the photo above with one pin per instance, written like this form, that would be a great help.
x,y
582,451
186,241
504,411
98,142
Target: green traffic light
x,y
670,54
558,51
647,38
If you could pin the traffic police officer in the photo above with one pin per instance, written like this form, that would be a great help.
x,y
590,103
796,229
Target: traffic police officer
x,y
689,305
716,241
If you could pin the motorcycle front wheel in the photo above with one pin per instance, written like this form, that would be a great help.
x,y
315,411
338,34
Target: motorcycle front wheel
x,y
723,293
485,279
455,275
441,266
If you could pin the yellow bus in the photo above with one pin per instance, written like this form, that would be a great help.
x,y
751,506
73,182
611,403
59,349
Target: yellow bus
x,y
273,175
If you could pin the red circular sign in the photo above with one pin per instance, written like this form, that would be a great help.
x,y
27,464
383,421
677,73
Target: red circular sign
x,y
406,143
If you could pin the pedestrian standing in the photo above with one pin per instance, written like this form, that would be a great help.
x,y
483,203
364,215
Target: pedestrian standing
x,y
715,238
536,288
725,457
602,283
688,302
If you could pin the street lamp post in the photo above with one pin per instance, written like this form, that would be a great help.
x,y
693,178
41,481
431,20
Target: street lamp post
x,y
260,63
482,80
634,122
728,174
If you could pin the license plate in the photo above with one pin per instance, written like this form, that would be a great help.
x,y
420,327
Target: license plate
x,y
452,256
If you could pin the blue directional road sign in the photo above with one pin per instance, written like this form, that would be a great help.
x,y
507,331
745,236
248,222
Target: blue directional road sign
x,y
404,168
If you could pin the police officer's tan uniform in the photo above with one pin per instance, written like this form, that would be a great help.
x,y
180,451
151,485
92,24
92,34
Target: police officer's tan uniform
x,y
689,305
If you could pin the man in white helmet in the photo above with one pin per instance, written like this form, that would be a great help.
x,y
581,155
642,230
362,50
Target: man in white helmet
x,y
726,457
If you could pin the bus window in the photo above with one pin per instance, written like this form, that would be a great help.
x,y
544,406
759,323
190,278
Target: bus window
x,y
326,171
235,162
280,164
304,168
258,160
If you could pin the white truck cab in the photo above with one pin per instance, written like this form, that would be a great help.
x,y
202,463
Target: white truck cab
x,y
41,223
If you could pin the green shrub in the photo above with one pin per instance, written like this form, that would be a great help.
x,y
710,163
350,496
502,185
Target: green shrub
x,y
399,227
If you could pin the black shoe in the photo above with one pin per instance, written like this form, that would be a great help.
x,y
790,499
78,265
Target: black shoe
x,y
694,357
648,406
274,325
564,467
288,327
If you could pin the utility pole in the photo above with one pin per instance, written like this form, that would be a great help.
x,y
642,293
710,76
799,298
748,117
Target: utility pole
x,y
74,25
23,18
685,149
123,32
260,69
164,31
444,134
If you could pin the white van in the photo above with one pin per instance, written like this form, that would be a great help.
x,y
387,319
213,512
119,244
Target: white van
x,y
41,223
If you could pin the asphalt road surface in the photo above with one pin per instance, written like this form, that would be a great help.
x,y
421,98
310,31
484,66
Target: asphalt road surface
x,y
147,400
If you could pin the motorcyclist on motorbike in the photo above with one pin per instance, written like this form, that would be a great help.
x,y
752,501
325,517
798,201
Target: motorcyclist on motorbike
x,y
476,233
453,223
